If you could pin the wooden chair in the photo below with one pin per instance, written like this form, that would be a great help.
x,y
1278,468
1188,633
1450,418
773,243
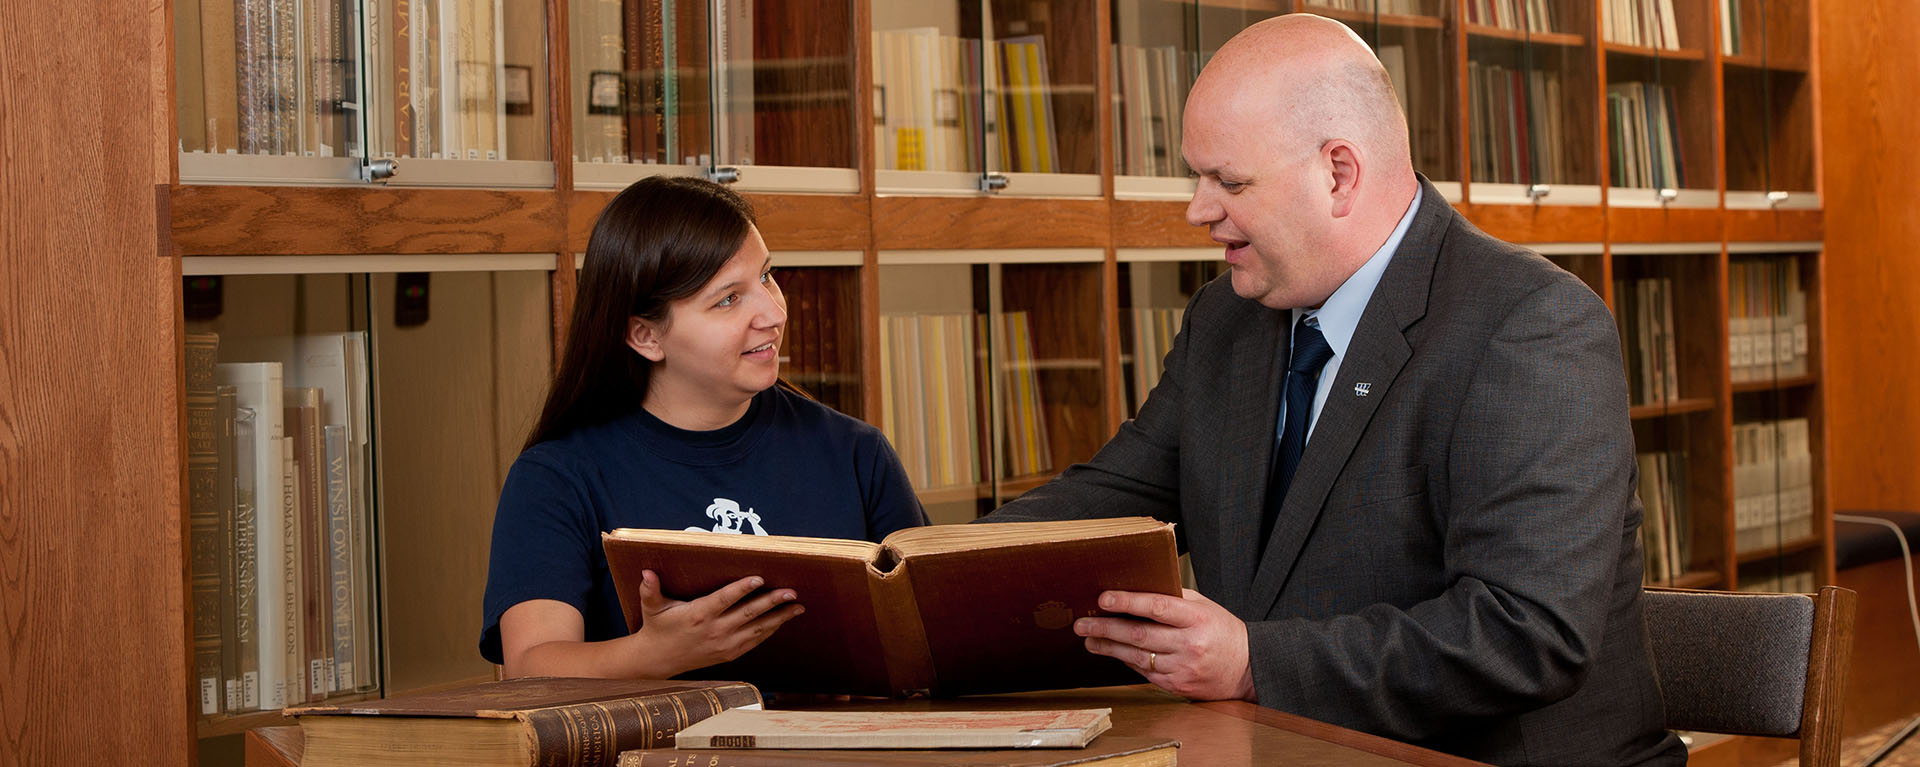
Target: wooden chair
x,y
1754,664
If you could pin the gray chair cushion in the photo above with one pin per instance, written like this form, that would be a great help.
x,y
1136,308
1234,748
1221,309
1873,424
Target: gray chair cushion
x,y
1733,663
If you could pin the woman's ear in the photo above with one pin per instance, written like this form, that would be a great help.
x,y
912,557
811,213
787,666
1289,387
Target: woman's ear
x,y
643,338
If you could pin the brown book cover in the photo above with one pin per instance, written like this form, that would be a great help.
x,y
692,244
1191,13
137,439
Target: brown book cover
x,y
755,728
309,456
204,520
947,610
1110,751
544,721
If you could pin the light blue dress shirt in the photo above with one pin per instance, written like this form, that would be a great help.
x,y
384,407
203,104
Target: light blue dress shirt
x,y
1340,314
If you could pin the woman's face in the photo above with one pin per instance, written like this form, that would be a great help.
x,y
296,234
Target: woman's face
x,y
720,346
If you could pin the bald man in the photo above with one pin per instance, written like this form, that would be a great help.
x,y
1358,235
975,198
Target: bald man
x,y
1397,449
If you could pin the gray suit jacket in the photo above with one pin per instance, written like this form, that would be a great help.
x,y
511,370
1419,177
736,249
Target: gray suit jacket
x,y
1458,562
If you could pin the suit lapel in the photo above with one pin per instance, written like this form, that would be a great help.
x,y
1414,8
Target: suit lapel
x,y
1375,356
1246,452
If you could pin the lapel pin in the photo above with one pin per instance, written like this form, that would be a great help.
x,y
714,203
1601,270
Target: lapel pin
x,y
1361,389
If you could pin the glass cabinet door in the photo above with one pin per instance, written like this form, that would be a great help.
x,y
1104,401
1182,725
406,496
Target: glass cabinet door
x,y
362,422
1155,286
993,96
1659,107
759,94
276,91
1415,40
1531,87
1766,54
1772,351
1159,47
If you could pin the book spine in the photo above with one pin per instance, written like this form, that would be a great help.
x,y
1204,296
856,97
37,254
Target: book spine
x,y
594,734
220,74
339,558
292,616
402,56
203,520
232,655
246,577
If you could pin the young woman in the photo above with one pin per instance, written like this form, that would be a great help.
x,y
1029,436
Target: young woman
x,y
668,412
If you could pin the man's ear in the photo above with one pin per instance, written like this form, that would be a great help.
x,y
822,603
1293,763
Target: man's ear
x,y
1345,162
643,338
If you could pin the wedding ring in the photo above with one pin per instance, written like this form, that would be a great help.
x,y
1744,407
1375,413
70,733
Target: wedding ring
x,y
1151,657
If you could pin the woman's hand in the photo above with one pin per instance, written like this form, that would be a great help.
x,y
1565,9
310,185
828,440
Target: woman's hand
x,y
721,626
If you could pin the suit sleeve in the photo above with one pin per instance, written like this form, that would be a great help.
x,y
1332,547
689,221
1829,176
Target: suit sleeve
x,y
1538,522
1137,473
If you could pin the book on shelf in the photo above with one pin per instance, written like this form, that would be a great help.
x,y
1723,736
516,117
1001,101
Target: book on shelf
x,y
1767,334
944,610
207,523
1519,15
742,728
1109,750
1666,526
1642,23
1647,331
289,484
927,375
1772,483
513,723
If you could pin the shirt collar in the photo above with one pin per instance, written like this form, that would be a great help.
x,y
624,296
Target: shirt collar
x,y
1339,316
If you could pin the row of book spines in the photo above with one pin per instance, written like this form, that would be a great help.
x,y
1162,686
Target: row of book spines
x,y
1772,482
1767,332
1643,23
278,546
645,91
929,396
821,339
1666,526
1149,97
1153,332
929,110
1644,135
278,77
1518,131
1528,15
1644,314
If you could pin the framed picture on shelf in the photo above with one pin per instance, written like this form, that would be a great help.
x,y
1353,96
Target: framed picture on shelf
x,y
516,89
603,93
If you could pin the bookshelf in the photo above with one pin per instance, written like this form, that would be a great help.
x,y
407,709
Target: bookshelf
x,y
1075,249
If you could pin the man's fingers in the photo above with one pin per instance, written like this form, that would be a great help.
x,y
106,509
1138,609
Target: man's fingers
x,y
1159,608
651,600
1130,633
725,597
747,610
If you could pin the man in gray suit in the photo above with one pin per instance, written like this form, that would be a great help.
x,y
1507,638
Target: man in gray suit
x,y
1397,448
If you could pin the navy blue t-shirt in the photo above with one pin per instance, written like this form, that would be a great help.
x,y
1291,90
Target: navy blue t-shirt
x,y
790,466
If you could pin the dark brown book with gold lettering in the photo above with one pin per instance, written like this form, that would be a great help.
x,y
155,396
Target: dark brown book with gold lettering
x,y
946,610
1108,751
528,722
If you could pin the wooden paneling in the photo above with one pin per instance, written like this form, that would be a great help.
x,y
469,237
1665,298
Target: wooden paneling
x,y
1870,81
1144,224
250,220
901,223
1539,223
787,221
93,629
1664,224
1775,225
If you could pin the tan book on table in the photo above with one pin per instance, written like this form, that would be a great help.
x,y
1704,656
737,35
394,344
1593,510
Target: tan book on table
x,y
1109,751
945,610
742,728
515,723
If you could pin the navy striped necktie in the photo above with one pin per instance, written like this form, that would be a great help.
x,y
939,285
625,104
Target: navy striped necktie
x,y
1310,353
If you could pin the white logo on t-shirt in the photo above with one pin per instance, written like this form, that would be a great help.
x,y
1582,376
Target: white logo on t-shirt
x,y
727,517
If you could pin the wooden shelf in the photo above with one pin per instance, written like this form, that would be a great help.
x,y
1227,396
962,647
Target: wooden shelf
x,y
1693,579
1557,39
1692,55
1786,548
1755,62
1778,384
1674,407
1012,487
1403,21
954,494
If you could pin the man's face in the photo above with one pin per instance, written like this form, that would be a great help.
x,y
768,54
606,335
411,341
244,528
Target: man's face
x,y
1262,194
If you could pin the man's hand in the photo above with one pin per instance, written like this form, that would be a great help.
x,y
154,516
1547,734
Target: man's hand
x,y
1188,645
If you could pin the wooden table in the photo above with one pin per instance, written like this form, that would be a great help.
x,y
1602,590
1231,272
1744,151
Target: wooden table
x,y
1214,734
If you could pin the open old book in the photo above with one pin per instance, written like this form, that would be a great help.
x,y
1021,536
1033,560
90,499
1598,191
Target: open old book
x,y
945,610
